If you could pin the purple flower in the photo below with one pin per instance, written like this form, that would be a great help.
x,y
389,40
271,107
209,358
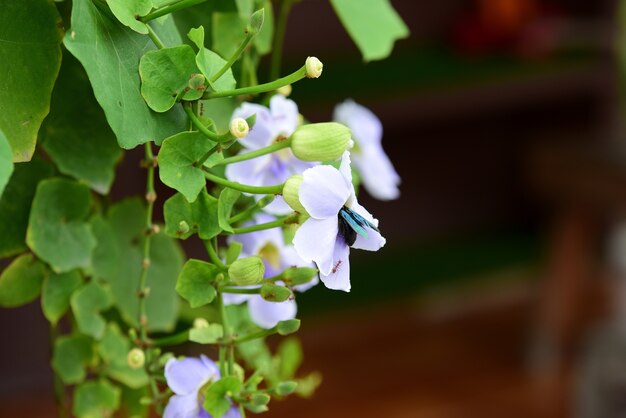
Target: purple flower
x,y
337,223
379,177
186,377
273,124
277,256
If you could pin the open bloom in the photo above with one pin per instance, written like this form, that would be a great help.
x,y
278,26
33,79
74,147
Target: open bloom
x,y
379,177
186,378
272,125
337,223
277,256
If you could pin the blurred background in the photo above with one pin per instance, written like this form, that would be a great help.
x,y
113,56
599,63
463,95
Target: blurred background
x,y
502,289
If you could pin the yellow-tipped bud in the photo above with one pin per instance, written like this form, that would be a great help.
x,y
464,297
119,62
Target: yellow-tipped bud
x,y
284,90
199,323
291,193
239,128
320,141
136,358
247,271
314,67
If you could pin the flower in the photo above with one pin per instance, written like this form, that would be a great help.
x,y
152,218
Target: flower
x,y
186,378
337,223
272,125
379,177
277,256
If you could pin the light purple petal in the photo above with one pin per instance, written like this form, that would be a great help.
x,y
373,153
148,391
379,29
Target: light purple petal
x,y
186,376
379,177
345,169
356,206
373,242
367,130
232,413
249,171
338,278
253,242
180,406
285,114
323,191
267,314
278,207
235,298
263,132
315,241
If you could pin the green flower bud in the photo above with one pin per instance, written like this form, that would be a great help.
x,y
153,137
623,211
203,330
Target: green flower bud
x,y
275,293
291,193
199,323
313,67
286,388
288,327
247,271
136,358
256,22
196,82
183,227
261,399
320,141
239,128
284,90
294,276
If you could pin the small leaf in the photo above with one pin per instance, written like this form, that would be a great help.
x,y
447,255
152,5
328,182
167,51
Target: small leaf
x,y
263,40
275,293
113,349
228,198
87,303
6,162
57,231
56,293
96,399
215,401
233,251
165,74
71,356
194,283
126,11
200,216
21,281
288,327
210,63
206,335
178,162
373,25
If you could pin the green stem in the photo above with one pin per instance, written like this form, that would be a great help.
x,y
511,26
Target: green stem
x,y
211,249
224,352
155,38
269,225
279,38
248,212
241,291
256,335
200,126
233,58
276,189
260,88
170,8
176,339
276,146
210,152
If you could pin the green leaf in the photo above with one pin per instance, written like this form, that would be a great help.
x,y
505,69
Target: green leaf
x,y
113,349
210,63
178,162
228,198
6,162
71,356
233,251
126,11
87,303
373,25
288,327
165,74
30,57
275,293
56,292
106,255
57,231
244,7
194,282
110,54
263,40
206,335
21,281
76,134
215,401
200,216
15,205
228,32
96,399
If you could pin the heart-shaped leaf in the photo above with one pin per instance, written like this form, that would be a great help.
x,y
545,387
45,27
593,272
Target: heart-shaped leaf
x,y
200,216
194,283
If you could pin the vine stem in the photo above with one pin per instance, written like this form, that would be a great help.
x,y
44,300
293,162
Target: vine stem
x,y
276,189
170,8
155,38
268,225
233,58
279,38
200,126
259,88
276,146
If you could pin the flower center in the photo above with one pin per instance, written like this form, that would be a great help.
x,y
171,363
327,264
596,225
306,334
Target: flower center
x,y
351,224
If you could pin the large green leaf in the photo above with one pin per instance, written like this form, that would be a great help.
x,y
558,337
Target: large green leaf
x,y
114,349
200,216
15,205
96,399
6,162
30,56
57,230
194,282
228,198
178,166
110,53
126,11
72,354
56,292
373,25
87,304
76,134
21,281
210,63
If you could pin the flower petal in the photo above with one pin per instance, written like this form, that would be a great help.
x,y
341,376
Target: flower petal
x,y
338,278
267,314
366,128
248,172
323,191
278,207
356,206
315,240
285,115
373,242
263,132
180,406
380,179
186,376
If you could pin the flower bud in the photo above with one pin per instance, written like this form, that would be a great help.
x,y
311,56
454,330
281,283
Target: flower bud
x,y
286,388
275,293
284,90
291,193
247,271
183,227
256,22
320,141
239,128
294,276
288,327
196,82
199,323
313,67
136,358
